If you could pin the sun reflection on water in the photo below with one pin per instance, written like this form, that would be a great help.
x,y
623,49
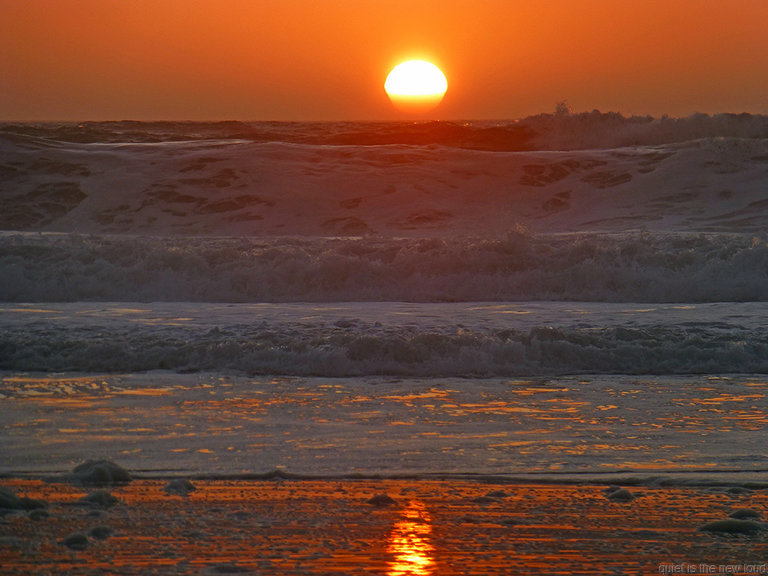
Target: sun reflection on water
x,y
409,543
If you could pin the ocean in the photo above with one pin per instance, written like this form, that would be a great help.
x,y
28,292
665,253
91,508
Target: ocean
x,y
572,297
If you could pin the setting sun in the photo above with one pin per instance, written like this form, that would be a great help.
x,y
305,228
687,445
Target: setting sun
x,y
416,86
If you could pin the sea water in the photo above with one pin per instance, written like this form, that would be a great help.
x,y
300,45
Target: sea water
x,y
577,297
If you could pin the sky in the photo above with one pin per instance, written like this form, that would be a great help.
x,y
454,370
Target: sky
x,y
328,59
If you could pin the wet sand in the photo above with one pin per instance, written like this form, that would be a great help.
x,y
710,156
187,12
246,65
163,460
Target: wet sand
x,y
440,527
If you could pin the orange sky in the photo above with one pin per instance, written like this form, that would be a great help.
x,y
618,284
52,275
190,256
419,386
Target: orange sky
x,y
328,59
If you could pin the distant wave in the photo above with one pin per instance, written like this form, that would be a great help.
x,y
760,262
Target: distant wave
x,y
631,267
559,131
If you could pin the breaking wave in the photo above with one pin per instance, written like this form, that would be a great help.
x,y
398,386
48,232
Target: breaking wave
x,y
631,267
429,340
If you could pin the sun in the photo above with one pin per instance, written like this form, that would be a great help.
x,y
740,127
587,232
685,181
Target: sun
x,y
416,86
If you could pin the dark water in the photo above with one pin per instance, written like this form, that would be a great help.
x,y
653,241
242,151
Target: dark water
x,y
542,132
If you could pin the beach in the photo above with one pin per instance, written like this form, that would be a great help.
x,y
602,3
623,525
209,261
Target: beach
x,y
438,526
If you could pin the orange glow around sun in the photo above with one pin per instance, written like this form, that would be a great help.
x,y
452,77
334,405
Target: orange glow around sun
x,y
308,60
416,86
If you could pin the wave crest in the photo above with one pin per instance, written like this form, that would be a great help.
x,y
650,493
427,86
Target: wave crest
x,y
638,267
409,340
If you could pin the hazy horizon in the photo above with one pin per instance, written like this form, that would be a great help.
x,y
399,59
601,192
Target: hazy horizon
x,y
295,60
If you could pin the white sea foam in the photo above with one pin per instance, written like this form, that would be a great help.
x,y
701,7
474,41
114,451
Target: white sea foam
x,y
657,430
348,339
631,267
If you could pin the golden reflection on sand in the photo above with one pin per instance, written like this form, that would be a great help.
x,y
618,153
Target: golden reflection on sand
x,y
409,543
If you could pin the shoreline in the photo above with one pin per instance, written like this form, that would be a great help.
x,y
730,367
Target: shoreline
x,y
695,479
343,526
